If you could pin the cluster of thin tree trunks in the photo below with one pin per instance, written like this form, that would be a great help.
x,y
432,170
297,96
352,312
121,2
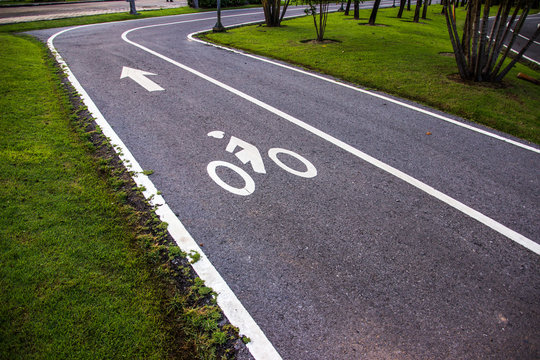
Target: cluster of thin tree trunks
x,y
486,41
480,51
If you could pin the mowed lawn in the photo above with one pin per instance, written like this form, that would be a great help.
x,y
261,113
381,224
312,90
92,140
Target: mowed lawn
x,y
73,284
402,58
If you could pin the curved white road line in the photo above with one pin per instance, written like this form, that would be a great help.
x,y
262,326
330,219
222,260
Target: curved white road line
x,y
500,228
367,92
259,346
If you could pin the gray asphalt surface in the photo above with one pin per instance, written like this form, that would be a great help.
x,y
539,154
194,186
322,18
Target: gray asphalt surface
x,y
39,12
526,33
353,263
531,23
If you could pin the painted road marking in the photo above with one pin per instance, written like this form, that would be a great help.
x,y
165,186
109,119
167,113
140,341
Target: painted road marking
x,y
367,92
249,183
534,42
250,154
310,171
139,76
259,346
500,228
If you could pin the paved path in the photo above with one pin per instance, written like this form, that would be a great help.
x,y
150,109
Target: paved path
x,y
344,229
17,14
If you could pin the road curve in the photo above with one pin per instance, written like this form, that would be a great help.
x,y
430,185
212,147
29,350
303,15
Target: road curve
x,y
351,260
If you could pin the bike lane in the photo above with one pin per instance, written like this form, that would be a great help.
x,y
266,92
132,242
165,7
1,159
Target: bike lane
x,y
350,263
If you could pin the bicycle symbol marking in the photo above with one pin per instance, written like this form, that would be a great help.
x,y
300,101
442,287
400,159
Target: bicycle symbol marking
x,y
249,153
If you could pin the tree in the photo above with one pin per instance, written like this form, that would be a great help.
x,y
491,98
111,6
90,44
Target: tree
x,y
479,54
273,13
424,10
347,8
373,15
356,9
320,16
417,11
401,8
132,9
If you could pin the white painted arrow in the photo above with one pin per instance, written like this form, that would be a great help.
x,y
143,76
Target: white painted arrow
x,y
139,76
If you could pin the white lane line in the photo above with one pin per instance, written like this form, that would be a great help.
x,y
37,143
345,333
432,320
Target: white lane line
x,y
526,38
524,57
367,92
500,228
259,346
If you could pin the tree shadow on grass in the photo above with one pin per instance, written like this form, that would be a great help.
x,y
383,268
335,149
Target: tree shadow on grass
x,y
325,41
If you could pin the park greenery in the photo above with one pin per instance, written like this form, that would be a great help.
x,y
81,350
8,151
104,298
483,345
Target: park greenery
x,y
88,270
87,274
410,60
274,11
478,52
318,9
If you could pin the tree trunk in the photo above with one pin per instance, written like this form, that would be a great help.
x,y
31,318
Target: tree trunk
x,y
356,9
132,9
519,55
498,33
417,11
272,12
401,8
424,10
478,56
320,35
285,6
516,31
348,7
408,5
373,15
454,39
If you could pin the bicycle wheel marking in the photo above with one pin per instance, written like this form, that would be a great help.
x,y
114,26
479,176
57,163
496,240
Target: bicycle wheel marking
x,y
249,154
249,186
310,171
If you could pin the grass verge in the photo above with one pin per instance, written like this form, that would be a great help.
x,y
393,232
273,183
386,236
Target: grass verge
x,y
88,271
402,58
96,19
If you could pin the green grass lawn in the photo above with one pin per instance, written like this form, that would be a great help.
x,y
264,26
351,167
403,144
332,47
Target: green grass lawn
x,y
72,286
83,275
77,278
401,58
94,19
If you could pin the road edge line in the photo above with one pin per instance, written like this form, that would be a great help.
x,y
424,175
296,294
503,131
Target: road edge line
x,y
472,213
259,345
367,92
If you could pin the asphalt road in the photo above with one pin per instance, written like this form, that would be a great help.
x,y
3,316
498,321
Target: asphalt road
x,y
362,259
532,22
37,12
